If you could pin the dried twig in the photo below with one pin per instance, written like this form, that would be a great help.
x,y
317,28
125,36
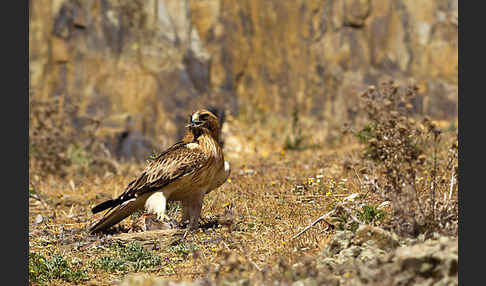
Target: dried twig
x,y
322,218
254,264
350,213
314,222
361,184
359,179
35,197
451,186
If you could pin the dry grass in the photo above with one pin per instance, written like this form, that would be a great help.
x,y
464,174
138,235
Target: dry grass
x,y
271,195
262,195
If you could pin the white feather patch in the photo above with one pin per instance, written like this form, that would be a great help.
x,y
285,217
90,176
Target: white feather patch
x,y
156,204
192,145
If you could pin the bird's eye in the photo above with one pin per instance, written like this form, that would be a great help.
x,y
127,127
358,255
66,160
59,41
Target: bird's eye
x,y
204,116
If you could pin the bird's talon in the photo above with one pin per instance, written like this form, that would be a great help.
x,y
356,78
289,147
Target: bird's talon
x,y
163,218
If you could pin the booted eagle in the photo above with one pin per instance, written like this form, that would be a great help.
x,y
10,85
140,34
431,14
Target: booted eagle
x,y
184,172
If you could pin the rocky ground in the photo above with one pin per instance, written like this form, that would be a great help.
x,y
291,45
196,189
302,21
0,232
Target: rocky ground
x,y
370,256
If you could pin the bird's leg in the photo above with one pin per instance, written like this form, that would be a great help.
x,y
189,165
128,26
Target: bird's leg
x,y
192,211
194,214
185,212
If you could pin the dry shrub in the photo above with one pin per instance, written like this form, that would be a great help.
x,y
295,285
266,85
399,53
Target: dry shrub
x,y
295,139
413,164
58,137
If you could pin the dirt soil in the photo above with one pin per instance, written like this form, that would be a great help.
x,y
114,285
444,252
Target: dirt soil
x,y
247,225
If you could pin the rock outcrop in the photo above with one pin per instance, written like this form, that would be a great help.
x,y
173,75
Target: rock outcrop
x,y
373,256
157,59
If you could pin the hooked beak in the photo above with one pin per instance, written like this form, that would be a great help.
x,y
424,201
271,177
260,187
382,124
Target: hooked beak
x,y
195,123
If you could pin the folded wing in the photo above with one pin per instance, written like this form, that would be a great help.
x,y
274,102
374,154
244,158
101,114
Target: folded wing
x,y
169,167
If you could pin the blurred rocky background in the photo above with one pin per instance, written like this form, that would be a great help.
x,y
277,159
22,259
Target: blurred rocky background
x,y
140,66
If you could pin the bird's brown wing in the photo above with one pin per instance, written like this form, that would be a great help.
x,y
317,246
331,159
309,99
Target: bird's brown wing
x,y
169,166
173,164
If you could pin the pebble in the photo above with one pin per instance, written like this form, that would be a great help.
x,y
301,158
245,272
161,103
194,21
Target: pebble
x,y
38,219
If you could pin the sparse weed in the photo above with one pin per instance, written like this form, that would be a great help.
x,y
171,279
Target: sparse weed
x,y
295,139
370,214
406,160
43,270
79,156
58,136
50,134
344,221
127,257
110,264
365,134
182,247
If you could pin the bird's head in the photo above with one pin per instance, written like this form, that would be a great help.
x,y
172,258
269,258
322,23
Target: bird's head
x,y
203,120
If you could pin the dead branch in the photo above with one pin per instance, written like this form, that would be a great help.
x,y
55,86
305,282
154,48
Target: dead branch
x,y
451,187
350,213
321,218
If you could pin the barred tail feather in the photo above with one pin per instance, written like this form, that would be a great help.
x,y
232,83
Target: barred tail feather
x,y
104,205
116,215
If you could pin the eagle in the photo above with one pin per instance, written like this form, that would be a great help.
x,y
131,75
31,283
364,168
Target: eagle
x,y
184,172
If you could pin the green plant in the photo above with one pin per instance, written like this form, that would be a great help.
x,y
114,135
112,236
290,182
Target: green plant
x,y
365,134
344,222
127,257
110,264
43,270
370,214
294,140
139,257
182,247
78,155
405,159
